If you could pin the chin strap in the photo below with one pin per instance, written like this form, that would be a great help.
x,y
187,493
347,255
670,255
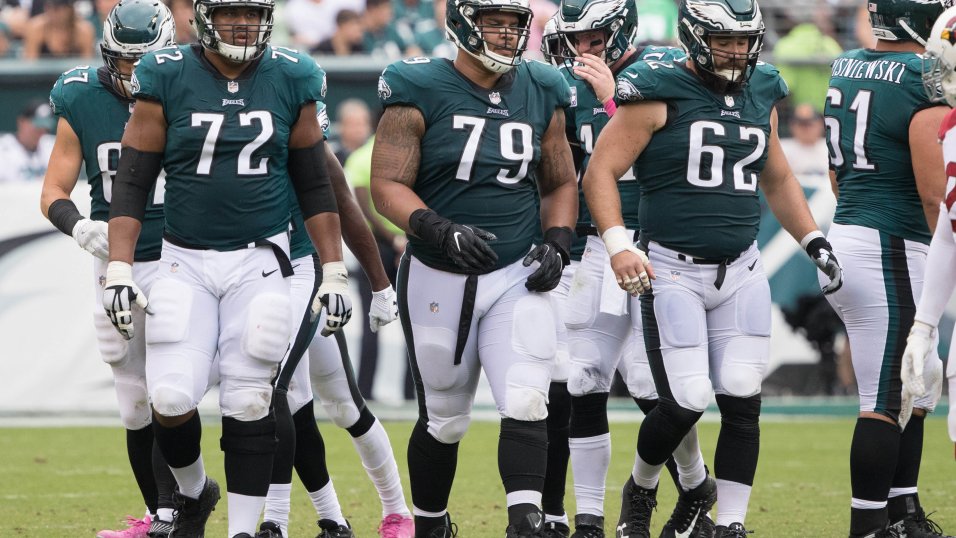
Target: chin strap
x,y
916,37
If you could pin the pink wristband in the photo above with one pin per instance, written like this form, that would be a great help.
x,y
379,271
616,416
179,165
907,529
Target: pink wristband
x,y
610,107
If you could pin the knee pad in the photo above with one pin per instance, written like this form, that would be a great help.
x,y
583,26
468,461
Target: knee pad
x,y
343,413
245,400
586,375
525,404
171,401
691,389
268,327
171,302
640,381
744,364
113,348
534,330
133,399
449,430
249,437
740,413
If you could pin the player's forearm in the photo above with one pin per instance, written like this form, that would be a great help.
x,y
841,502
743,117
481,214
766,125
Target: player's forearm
x,y
395,201
559,208
789,206
358,237
602,197
123,233
326,233
940,278
50,194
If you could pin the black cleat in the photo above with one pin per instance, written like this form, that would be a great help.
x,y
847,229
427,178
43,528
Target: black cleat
x,y
159,528
892,531
446,530
530,526
637,504
269,529
191,515
919,525
555,529
331,529
588,526
691,512
734,530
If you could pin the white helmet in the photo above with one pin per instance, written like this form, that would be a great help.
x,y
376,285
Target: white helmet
x,y
131,29
939,60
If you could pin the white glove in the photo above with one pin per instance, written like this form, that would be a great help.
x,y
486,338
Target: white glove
x,y
333,294
918,346
92,237
384,309
119,295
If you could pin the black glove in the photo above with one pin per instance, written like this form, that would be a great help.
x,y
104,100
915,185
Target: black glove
x,y
821,252
554,255
464,245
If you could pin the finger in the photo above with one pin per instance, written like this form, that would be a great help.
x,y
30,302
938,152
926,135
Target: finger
x,y
141,300
645,280
484,234
529,258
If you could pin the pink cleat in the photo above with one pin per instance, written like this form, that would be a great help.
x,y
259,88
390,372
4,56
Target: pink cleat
x,y
397,526
136,528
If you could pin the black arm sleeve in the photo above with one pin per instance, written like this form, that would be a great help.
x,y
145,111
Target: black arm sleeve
x,y
64,215
134,179
310,179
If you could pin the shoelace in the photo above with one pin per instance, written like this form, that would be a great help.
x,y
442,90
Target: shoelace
x,y
389,527
924,523
642,504
587,531
440,532
160,528
684,512
738,533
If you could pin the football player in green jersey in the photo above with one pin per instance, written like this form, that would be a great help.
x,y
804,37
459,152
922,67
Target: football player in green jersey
x,y
93,106
888,175
327,365
471,160
232,120
702,131
593,45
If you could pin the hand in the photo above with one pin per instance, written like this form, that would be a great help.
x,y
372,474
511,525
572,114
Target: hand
x,y
465,245
631,266
92,236
553,255
918,346
333,294
384,309
821,252
597,74
119,295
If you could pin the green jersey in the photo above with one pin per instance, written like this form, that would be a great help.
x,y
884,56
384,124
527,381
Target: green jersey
x,y
300,244
699,173
585,118
481,147
85,98
227,141
871,100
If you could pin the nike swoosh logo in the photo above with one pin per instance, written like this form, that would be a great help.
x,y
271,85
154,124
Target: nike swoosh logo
x,y
456,241
690,528
754,264
632,75
265,274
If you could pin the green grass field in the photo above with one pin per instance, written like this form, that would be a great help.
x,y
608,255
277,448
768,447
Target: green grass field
x,y
69,482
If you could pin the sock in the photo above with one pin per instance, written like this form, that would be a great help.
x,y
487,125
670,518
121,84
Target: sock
x,y
689,462
590,459
277,506
873,456
326,504
244,513
379,461
563,518
139,449
734,498
309,460
556,473
165,484
646,475
431,471
181,450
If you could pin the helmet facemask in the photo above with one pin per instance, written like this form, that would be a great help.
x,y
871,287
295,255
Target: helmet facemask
x,y
211,34
939,60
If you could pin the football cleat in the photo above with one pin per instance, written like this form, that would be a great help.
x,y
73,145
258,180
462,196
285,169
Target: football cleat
x,y
189,520
331,529
397,526
588,526
637,504
555,529
159,528
690,514
734,530
892,531
530,526
919,525
135,528
447,530
269,529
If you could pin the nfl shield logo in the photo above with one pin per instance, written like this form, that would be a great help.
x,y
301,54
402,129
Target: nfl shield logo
x,y
433,307
495,98
675,275
729,100
232,86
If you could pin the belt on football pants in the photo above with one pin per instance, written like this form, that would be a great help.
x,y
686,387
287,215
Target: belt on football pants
x,y
467,314
285,265
721,263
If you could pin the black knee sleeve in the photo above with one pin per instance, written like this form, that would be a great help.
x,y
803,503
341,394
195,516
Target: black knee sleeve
x,y
589,415
139,448
309,460
556,476
663,429
249,448
645,404
431,469
179,444
285,437
738,445
363,424
522,454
